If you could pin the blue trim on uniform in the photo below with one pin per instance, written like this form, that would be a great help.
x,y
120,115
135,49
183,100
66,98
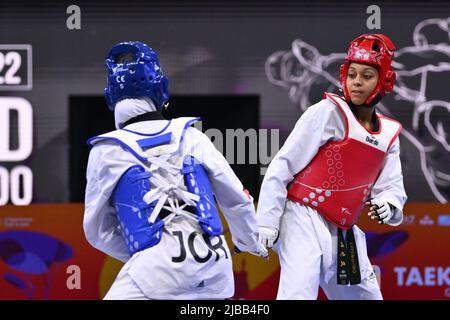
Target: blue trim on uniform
x,y
187,125
122,144
148,143
89,141
149,134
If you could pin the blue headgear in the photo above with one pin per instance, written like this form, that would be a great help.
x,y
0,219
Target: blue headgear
x,y
141,77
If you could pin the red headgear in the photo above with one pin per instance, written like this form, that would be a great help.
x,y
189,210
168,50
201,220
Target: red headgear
x,y
376,50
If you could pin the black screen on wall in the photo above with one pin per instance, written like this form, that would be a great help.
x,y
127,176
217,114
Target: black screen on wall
x,y
89,116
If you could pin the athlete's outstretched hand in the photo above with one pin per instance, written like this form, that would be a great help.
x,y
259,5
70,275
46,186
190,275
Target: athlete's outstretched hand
x,y
261,251
267,236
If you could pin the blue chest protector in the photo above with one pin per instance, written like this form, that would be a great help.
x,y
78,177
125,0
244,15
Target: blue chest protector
x,y
197,182
133,213
140,230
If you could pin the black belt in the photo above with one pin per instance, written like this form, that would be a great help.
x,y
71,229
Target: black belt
x,y
347,259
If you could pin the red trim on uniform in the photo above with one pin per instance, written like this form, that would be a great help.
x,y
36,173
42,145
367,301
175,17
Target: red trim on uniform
x,y
330,95
356,118
370,131
396,135
390,119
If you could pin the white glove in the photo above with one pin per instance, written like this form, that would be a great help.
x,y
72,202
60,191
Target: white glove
x,y
381,210
267,236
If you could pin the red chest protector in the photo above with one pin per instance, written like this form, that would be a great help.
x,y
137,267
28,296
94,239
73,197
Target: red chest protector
x,y
340,177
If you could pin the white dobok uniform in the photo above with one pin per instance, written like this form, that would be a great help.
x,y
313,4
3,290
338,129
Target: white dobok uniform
x,y
307,243
168,270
